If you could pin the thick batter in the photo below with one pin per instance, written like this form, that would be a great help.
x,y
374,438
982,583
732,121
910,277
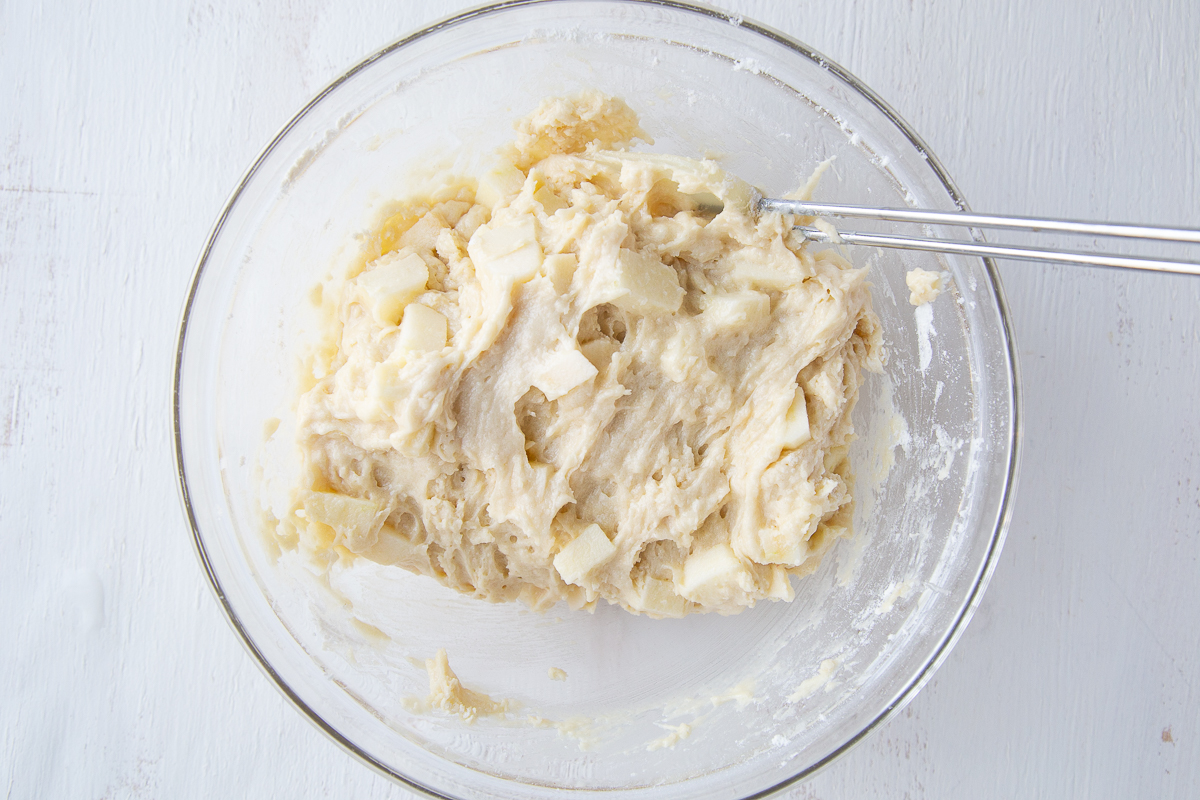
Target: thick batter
x,y
569,380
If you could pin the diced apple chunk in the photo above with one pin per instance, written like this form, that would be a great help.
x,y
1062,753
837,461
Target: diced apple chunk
x,y
660,598
649,286
756,269
795,423
316,536
779,547
738,310
392,282
560,268
424,234
587,551
422,329
499,184
781,585
355,520
712,575
508,249
564,370
821,385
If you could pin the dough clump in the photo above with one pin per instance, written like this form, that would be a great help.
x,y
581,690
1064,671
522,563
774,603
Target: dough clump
x,y
447,693
590,373
924,286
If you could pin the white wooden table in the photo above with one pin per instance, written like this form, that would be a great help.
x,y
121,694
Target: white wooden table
x,y
123,126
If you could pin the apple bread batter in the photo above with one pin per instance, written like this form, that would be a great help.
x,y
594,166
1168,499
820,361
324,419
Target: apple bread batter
x,y
570,380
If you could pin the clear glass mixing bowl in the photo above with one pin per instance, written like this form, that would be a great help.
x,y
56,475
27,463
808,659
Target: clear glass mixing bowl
x,y
767,696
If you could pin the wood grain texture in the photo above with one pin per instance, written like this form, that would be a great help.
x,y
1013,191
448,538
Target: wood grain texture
x,y
124,126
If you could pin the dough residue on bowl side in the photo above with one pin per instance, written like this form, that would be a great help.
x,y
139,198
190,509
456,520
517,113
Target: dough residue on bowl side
x,y
924,286
447,693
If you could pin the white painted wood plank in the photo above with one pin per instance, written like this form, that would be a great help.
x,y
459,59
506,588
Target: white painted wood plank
x,y
124,127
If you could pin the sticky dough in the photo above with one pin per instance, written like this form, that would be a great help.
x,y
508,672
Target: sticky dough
x,y
570,380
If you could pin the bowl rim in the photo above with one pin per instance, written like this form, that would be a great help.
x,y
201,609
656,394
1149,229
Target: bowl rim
x,y
1012,468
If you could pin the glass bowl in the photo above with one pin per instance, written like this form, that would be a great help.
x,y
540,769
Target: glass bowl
x,y
702,707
